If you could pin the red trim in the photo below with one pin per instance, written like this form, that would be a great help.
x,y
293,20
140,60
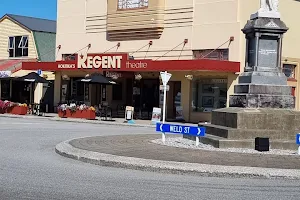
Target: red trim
x,y
294,91
139,65
13,65
5,64
292,79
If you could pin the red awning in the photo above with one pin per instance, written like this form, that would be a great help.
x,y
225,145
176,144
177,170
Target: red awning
x,y
13,65
121,62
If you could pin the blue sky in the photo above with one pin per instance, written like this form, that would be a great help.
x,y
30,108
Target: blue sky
x,y
34,8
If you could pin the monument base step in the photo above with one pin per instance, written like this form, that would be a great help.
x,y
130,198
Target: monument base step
x,y
262,101
219,142
245,134
263,89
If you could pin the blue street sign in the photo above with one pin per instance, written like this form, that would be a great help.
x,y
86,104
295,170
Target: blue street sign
x,y
39,72
179,129
298,139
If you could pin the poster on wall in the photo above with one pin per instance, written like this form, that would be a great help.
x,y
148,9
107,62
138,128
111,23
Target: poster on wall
x,y
179,113
156,115
64,88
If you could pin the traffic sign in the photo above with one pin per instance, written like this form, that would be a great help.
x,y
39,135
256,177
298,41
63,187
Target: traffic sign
x,y
179,129
162,87
298,139
39,72
165,77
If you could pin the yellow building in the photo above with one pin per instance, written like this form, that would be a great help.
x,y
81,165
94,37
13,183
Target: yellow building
x,y
177,30
24,39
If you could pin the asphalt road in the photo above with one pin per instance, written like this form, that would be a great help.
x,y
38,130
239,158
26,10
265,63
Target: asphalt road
x,y
30,169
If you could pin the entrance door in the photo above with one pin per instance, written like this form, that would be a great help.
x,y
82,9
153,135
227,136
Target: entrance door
x,y
146,96
174,101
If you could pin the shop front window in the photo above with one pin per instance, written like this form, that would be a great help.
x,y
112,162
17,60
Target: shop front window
x,y
209,94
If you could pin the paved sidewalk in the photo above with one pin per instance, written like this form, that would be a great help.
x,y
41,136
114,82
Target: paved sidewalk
x,y
138,152
116,121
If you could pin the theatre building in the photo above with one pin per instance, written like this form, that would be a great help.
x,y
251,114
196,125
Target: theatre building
x,y
198,41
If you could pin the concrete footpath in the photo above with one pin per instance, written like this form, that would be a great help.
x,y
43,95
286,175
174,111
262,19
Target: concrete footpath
x,y
138,152
54,117
115,121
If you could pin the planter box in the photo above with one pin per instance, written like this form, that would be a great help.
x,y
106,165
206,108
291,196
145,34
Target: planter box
x,y
17,110
83,114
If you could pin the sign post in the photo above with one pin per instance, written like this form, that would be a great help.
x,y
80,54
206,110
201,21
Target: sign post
x,y
165,77
298,142
179,129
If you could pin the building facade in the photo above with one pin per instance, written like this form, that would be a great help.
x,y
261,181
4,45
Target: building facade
x,y
166,30
24,39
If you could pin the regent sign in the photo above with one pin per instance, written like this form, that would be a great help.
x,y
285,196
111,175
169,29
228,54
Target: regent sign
x,y
99,61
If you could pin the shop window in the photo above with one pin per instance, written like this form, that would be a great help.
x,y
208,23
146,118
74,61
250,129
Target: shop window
x,y
69,56
117,92
130,4
209,94
211,54
18,46
289,70
77,89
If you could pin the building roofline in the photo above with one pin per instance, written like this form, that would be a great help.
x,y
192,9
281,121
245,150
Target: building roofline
x,y
13,17
6,16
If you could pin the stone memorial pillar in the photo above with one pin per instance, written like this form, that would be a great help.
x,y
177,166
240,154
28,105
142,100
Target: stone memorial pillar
x,y
263,85
262,104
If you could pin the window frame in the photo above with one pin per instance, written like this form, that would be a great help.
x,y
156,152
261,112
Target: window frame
x,y
11,47
145,4
201,94
293,71
23,46
68,57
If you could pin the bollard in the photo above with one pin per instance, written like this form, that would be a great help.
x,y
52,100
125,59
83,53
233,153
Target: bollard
x,y
163,137
197,141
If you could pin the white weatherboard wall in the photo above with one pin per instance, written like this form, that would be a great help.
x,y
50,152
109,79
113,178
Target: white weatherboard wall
x,y
9,28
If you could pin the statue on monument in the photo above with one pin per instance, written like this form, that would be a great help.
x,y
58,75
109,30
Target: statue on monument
x,y
268,9
269,5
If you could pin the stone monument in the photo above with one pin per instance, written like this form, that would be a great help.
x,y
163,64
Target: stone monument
x,y
263,85
262,104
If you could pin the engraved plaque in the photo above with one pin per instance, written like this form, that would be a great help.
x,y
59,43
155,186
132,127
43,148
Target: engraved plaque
x,y
268,52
